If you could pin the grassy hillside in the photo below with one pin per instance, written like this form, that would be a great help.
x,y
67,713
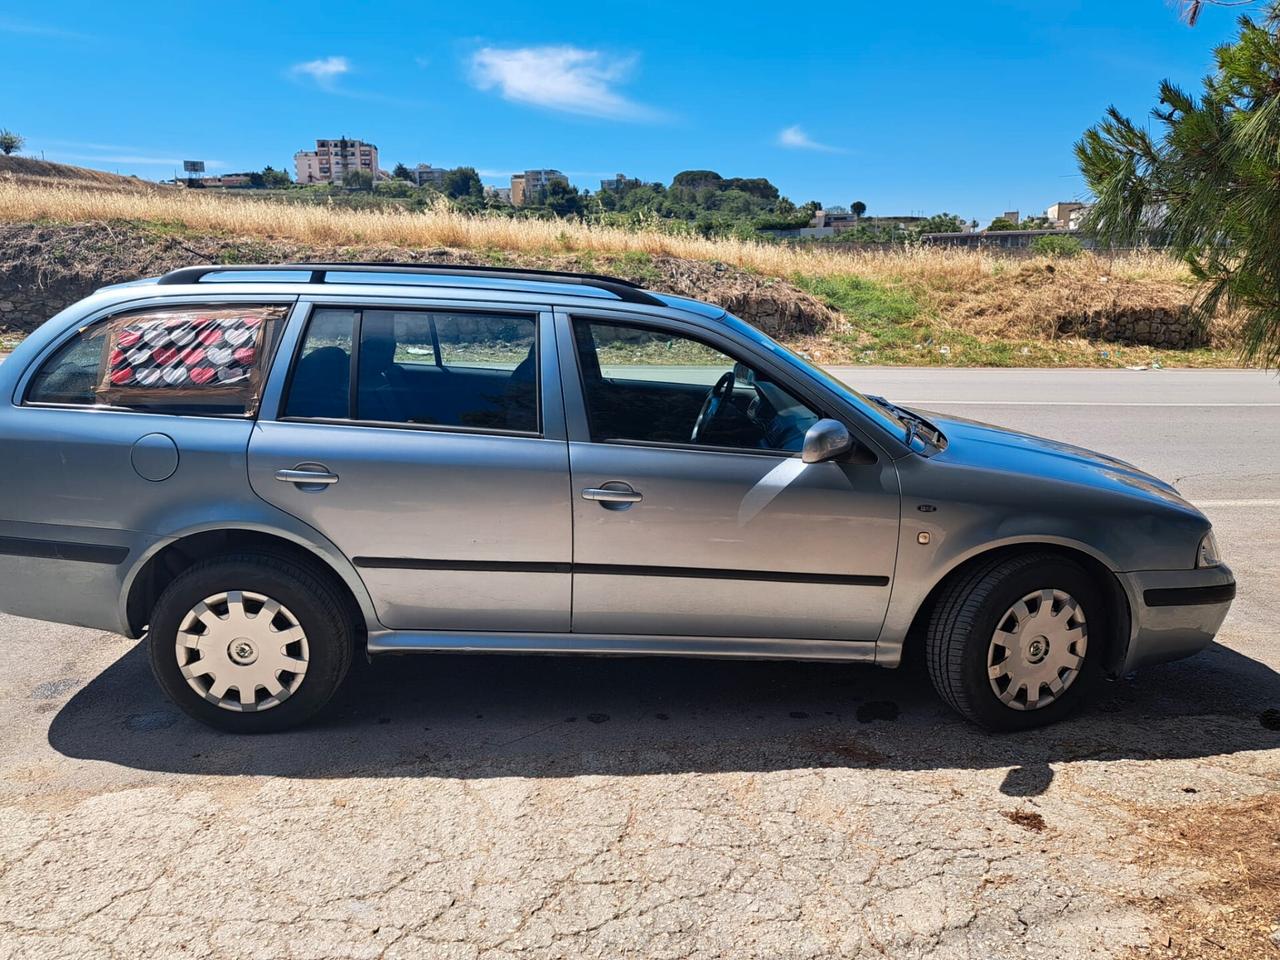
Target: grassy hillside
x,y
33,172
900,306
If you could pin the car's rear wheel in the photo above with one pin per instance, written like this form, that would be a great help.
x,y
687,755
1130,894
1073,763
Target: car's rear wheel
x,y
250,643
1015,643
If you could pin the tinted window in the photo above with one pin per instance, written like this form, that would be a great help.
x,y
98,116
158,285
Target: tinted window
x,y
185,359
432,368
322,374
652,385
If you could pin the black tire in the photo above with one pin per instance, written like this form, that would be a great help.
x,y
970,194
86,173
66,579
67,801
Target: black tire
x,y
315,603
966,616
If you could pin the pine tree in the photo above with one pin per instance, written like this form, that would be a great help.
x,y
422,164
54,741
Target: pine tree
x,y
1207,184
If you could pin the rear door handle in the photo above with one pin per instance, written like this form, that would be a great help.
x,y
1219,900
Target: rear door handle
x,y
617,493
315,477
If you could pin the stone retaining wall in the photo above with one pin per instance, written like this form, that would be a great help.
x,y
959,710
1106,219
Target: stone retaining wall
x,y
25,303
1174,330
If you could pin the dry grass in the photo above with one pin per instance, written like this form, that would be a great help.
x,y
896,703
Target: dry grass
x,y
32,172
931,269
1235,853
914,305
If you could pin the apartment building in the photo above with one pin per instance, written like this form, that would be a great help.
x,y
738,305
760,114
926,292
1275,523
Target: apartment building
x,y
425,175
621,182
332,160
1066,214
528,187
828,224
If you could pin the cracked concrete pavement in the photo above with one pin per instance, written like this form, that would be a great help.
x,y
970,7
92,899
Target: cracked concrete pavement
x,y
557,807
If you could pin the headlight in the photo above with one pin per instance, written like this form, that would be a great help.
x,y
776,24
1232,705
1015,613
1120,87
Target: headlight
x,y
1207,555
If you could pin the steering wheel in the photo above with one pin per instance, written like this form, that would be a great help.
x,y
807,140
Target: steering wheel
x,y
712,405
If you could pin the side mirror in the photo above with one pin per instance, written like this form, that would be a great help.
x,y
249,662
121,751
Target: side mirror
x,y
826,440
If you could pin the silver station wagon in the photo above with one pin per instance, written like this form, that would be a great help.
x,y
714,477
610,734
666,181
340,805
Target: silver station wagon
x,y
268,470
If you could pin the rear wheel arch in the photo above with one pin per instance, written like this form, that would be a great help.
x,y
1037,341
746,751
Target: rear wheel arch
x,y
160,569
1118,613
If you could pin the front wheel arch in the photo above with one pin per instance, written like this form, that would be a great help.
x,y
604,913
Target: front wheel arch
x,y
1116,643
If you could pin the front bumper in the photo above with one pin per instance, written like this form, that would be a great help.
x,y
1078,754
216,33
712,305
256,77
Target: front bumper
x,y
1175,613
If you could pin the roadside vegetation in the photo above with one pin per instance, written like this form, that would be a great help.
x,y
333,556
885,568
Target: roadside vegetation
x,y
902,304
1204,179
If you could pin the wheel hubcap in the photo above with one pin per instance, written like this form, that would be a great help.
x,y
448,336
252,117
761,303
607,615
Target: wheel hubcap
x,y
241,651
1037,649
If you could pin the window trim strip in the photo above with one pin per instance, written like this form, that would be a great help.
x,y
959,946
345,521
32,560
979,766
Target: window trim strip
x,y
425,427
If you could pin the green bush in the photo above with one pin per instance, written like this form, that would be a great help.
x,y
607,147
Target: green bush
x,y
1057,246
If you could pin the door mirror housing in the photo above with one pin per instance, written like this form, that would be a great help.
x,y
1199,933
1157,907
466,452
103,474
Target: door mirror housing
x,y
826,440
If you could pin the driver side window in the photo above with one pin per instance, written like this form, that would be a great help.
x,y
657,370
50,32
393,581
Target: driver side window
x,y
649,385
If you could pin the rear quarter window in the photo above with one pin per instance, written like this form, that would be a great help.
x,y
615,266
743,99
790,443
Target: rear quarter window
x,y
207,360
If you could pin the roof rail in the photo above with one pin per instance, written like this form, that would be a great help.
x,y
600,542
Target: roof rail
x,y
624,290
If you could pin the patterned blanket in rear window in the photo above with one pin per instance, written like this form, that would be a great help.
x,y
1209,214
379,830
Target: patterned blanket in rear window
x,y
187,358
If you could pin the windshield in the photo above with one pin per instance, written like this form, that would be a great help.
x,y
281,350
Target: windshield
x,y
885,416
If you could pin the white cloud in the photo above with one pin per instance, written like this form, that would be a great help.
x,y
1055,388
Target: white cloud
x,y
796,139
323,72
563,78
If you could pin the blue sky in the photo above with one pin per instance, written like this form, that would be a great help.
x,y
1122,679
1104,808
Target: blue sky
x,y
969,107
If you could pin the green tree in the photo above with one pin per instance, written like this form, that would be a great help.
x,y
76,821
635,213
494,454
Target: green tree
x,y
1036,223
940,223
395,188
401,172
10,142
562,199
696,180
275,179
358,180
463,182
1205,183
1057,246
858,208
1000,223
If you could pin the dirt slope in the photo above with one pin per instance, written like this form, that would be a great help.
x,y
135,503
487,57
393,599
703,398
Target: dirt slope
x,y
50,266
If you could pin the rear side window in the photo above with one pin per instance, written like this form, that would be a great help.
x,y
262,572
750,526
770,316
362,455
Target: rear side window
x,y
191,359
426,368
323,371
71,375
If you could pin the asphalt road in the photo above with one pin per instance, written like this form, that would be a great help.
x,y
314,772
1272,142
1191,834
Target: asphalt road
x,y
557,807
1214,433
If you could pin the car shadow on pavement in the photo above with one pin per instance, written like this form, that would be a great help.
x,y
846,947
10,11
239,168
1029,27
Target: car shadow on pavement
x,y
450,716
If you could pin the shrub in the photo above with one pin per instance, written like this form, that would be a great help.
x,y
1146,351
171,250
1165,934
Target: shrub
x,y
1057,246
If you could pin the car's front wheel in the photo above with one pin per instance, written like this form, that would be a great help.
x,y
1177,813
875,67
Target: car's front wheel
x,y
1015,643
250,643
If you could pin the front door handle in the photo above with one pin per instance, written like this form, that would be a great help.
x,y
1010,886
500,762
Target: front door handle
x,y
615,491
314,477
